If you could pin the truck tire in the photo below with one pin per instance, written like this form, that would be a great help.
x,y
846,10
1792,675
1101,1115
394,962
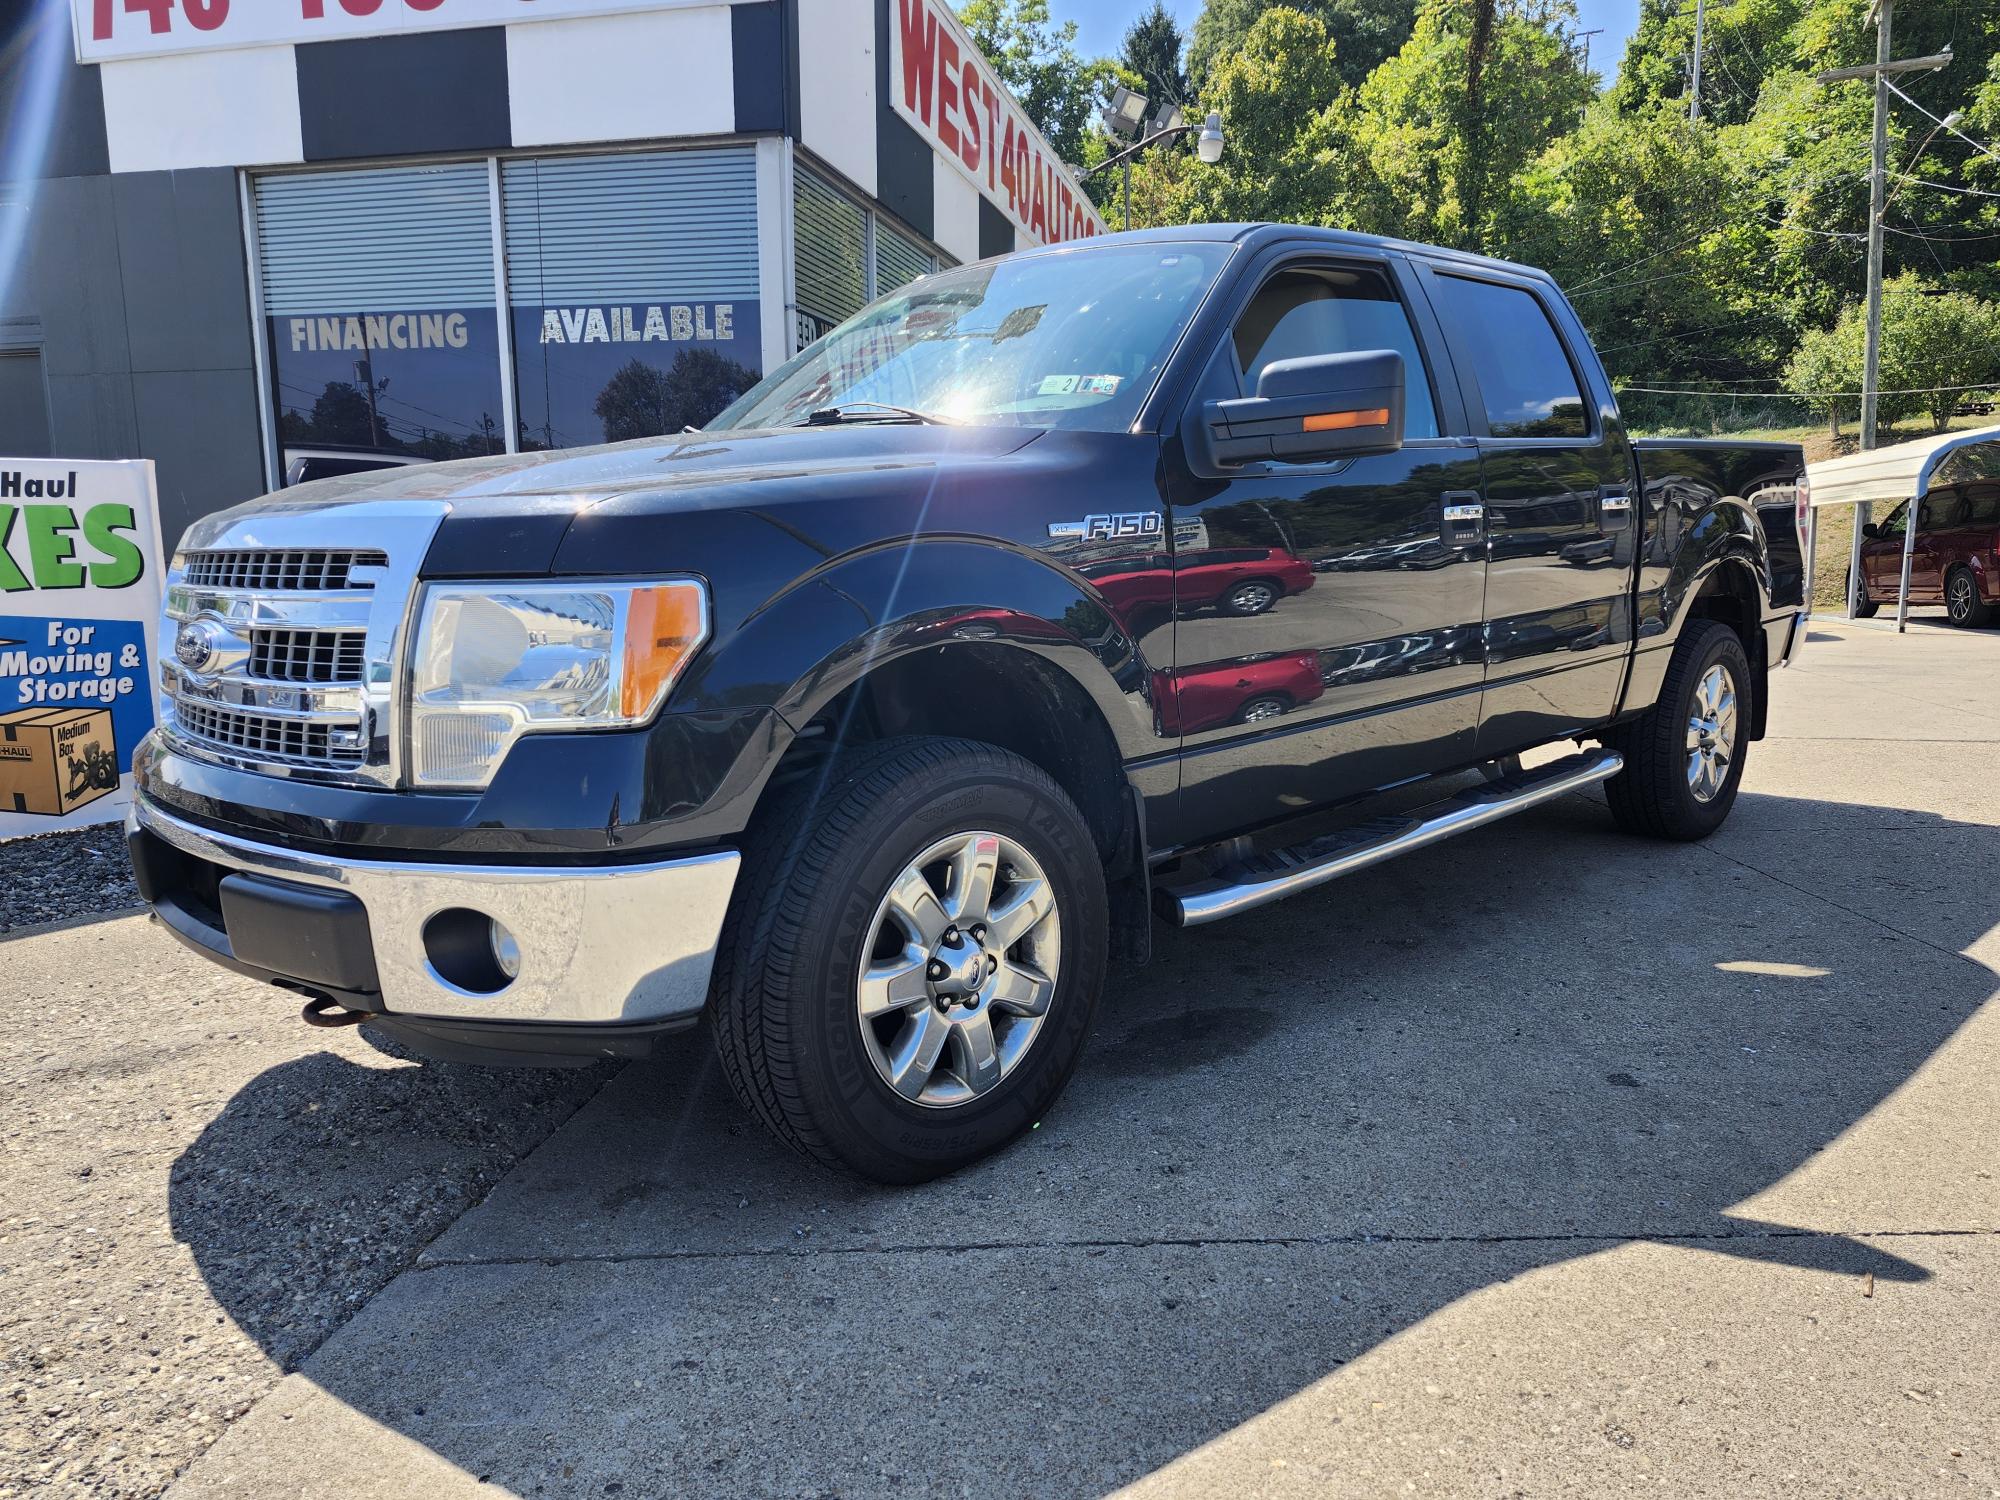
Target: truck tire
x,y
1857,593
1684,756
868,1006
1962,602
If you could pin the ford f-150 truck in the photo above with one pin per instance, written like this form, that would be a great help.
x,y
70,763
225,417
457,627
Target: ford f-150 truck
x,y
871,720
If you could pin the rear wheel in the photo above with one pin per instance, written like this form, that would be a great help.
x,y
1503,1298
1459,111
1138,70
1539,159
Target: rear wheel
x,y
1684,755
1962,602
1857,592
913,960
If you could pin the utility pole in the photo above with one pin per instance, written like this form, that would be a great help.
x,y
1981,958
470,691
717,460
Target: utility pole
x,y
1694,74
1880,13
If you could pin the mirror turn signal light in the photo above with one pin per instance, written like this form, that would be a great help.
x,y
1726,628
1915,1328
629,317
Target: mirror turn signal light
x,y
1341,421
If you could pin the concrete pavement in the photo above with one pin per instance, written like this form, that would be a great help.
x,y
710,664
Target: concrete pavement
x,y
1543,1162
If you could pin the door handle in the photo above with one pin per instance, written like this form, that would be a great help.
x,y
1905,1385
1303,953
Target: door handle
x,y
1464,517
1614,509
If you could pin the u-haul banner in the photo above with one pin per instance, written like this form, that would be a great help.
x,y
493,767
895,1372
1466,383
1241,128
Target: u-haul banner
x,y
940,82
79,607
107,29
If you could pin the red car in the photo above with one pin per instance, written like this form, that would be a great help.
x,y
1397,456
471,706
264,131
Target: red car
x,y
1236,692
1955,560
1235,580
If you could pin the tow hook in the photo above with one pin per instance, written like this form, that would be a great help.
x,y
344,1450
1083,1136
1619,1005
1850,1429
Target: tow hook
x,y
321,1011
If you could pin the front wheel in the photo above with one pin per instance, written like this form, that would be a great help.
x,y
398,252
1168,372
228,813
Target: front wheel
x,y
1857,592
913,959
1962,602
1684,755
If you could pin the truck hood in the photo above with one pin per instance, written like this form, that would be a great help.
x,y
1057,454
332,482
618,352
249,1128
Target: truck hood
x,y
509,514
669,467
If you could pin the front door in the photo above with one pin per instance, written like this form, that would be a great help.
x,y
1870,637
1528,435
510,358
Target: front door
x,y
1559,512
1327,615
1882,555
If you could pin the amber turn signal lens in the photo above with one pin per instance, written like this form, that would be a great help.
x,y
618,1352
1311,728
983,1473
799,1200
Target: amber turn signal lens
x,y
667,625
1340,421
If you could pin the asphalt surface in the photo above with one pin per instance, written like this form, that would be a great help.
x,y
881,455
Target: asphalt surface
x,y
1543,1162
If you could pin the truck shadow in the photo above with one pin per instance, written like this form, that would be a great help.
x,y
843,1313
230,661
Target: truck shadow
x,y
1294,1136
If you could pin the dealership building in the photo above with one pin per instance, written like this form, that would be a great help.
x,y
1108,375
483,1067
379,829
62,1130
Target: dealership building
x,y
233,232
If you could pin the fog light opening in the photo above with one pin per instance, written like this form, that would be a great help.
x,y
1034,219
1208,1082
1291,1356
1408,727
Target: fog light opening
x,y
471,951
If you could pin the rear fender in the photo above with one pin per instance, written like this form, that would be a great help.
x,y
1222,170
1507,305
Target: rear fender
x,y
1722,546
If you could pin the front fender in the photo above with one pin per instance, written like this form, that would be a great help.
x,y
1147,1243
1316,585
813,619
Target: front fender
x,y
824,633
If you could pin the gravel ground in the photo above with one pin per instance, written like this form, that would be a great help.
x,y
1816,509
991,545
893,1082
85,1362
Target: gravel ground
x,y
198,1188
53,877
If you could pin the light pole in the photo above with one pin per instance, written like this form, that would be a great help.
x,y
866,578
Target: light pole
x,y
1122,117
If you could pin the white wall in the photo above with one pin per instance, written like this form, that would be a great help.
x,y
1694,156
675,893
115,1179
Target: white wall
x,y
619,78
837,86
956,212
203,109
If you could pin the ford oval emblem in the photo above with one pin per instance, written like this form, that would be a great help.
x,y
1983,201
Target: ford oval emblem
x,y
195,645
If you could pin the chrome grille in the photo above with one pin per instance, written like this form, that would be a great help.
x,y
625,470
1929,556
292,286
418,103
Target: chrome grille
x,y
309,655
313,569
281,640
270,737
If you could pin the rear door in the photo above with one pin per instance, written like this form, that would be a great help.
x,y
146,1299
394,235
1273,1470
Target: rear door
x,y
1559,508
1333,599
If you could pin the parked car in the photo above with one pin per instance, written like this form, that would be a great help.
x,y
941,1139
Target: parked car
x,y
1236,692
1954,561
810,726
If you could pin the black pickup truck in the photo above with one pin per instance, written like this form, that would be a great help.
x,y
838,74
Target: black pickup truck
x,y
1158,577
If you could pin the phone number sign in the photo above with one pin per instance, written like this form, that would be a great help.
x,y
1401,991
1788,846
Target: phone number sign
x,y
109,29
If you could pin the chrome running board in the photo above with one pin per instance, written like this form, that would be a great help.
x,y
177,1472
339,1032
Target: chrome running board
x,y
1264,878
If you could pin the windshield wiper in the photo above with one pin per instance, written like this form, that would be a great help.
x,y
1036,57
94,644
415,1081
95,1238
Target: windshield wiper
x,y
871,411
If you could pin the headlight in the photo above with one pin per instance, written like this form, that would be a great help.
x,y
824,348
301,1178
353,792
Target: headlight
x,y
496,661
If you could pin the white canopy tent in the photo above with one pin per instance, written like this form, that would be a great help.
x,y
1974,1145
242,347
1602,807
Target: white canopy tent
x,y
1902,472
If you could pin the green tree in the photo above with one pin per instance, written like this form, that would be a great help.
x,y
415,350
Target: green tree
x,y
1280,98
1153,49
1935,346
1364,32
1440,130
1037,59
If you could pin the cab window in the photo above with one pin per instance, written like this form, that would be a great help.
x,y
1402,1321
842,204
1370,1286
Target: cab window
x,y
1332,310
1529,385
1895,521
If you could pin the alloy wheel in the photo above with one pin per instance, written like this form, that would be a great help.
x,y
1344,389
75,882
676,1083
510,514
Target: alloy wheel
x,y
1711,733
960,968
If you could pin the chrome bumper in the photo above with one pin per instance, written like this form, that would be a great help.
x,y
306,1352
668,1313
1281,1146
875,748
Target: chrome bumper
x,y
598,945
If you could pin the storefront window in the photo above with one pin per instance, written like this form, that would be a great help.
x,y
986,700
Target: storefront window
x,y
845,257
634,292
378,296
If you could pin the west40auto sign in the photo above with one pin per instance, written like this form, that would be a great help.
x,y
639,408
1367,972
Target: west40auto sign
x,y
940,82
107,29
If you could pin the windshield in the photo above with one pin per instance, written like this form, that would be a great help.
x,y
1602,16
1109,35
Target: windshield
x,y
1072,339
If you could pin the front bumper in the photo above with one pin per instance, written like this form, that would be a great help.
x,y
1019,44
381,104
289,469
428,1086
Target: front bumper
x,y
611,946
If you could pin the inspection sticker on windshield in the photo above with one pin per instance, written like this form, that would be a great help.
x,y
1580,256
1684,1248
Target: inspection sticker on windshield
x,y
1081,385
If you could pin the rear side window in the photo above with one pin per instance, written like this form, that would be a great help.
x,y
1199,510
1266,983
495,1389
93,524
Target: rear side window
x,y
1334,311
1528,383
1982,505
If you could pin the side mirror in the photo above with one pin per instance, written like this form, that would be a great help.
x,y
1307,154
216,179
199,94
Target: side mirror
x,y
1322,407
1871,531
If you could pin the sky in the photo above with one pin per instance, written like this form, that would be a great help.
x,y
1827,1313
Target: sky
x,y
1104,23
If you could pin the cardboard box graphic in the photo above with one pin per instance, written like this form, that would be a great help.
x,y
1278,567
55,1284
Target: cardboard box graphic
x,y
56,759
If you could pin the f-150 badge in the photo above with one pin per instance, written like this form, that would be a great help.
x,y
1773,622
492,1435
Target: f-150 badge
x,y
1107,527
